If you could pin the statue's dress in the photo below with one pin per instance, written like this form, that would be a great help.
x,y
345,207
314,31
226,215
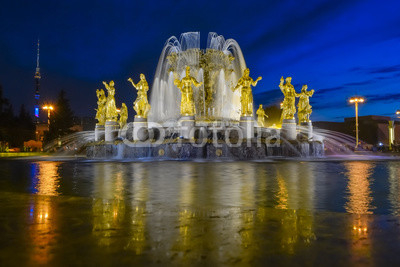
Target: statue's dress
x,y
111,109
187,102
246,100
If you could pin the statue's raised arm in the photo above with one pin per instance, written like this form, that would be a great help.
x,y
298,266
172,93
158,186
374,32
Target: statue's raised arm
x,y
133,84
254,83
281,85
196,83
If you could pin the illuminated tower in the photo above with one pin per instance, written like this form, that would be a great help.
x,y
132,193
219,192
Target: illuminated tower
x,y
37,86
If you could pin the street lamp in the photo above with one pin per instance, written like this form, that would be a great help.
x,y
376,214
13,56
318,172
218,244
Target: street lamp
x,y
398,112
355,100
49,108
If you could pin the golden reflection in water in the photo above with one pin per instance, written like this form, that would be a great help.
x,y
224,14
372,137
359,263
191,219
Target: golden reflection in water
x,y
42,230
108,203
247,179
359,204
394,187
187,218
282,195
42,214
47,178
358,187
140,192
295,196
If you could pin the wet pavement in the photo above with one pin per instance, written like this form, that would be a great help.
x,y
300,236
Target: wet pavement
x,y
227,213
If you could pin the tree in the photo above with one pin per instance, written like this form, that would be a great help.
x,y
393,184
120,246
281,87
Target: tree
x,y
25,126
61,118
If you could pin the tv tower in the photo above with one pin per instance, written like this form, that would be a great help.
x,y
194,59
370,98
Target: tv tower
x,y
37,85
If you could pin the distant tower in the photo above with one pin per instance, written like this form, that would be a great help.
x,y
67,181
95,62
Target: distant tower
x,y
37,85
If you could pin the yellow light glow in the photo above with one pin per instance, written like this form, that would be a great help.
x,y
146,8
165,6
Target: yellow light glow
x,y
398,112
48,107
357,100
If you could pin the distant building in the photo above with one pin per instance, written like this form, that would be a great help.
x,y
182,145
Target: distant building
x,y
373,129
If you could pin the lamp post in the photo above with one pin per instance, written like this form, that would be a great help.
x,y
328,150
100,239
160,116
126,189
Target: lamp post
x,y
355,101
49,108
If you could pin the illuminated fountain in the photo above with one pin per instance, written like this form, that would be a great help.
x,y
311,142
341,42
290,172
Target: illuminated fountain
x,y
201,106
218,68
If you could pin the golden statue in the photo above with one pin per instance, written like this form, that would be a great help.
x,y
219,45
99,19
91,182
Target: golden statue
x,y
141,104
111,109
304,107
246,96
123,116
289,102
185,85
261,116
101,104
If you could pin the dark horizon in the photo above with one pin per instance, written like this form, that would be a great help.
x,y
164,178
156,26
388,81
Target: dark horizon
x,y
339,48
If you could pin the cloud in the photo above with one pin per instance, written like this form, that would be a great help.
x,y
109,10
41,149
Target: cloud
x,y
360,83
377,70
385,98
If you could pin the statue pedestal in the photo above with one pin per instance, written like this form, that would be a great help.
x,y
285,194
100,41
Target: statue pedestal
x,y
186,127
289,129
111,131
247,124
306,130
140,129
99,133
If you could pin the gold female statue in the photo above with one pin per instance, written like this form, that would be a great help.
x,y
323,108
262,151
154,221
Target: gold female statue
x,y
123,116
185,85
289,102
141,104
246,96
111,109
304,107
101,105
261,116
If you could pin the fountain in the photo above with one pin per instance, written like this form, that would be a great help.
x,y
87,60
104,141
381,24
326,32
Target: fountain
x,y
201,106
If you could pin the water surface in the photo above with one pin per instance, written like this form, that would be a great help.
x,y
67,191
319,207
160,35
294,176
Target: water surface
x,y
243,213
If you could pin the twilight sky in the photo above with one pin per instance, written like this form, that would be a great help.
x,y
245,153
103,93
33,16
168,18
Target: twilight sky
x,y
337,47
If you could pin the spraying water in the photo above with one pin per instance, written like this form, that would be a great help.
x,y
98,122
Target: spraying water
x,y
218,67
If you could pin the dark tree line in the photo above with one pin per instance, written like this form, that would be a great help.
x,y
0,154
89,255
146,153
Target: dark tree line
x,y
14,129
61,119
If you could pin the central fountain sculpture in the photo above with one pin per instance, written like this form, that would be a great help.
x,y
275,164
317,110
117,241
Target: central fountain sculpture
x,y
201,106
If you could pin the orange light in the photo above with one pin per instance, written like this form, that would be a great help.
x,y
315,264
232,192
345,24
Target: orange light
x,y
48,107
398,112
357,100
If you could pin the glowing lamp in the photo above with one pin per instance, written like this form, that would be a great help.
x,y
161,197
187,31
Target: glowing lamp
x,y
356,100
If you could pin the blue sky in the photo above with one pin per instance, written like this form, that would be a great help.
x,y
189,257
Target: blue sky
x,y
339,48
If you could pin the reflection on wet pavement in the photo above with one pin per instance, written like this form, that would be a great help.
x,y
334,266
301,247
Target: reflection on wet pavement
x,y
114,213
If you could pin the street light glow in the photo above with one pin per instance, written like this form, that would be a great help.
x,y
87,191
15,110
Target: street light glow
x,y
357,100
50,107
